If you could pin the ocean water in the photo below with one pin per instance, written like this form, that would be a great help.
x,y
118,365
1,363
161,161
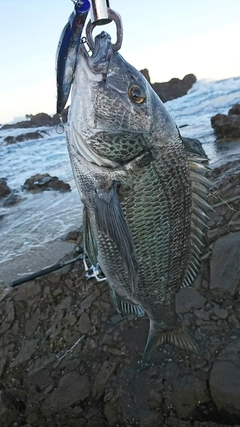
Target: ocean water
x,y
44,217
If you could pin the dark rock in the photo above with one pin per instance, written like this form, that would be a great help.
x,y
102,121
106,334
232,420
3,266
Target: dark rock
x,y
4,189
12,199
188,299
227,127
221,313
235,110
150,419
23,137
188,391
84,324
25,353
87,302
38,120
201,314
194,146
225,379
225,265
174,88
113,414
41,182
72,388
107,369
145,73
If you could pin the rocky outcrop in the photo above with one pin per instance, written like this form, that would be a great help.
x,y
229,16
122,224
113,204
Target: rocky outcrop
x,y
4,189
42,182
174,88
67,358
23,137
38,120
194,146
227,127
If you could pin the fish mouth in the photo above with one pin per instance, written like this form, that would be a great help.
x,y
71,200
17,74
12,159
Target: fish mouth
x,y
102,51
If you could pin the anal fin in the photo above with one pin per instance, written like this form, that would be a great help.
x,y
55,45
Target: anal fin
x,y
124,307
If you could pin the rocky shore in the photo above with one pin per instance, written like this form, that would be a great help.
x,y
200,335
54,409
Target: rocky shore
x,y
227,126
68,359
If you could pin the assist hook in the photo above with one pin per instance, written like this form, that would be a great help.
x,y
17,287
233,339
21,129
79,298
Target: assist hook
x,y
101,14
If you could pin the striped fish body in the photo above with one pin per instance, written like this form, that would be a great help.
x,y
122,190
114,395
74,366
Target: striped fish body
x,y
141,200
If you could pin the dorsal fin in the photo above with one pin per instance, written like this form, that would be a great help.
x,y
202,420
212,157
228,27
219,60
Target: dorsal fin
x,y
199,217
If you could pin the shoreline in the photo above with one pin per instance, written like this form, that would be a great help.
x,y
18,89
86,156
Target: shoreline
x,y
33,260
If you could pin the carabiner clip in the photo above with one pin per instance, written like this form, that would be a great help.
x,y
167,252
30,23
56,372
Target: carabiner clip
x,y
99,12
113,16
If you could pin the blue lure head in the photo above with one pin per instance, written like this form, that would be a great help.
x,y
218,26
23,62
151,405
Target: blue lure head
x,y
81,6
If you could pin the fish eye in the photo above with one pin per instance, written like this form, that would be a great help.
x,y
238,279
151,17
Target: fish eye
x,y
136,94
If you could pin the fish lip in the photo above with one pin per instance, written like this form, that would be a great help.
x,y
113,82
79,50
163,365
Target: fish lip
x,y
100,59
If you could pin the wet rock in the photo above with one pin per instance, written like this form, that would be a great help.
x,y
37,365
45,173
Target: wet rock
x,y
72,388
11,199
224,379
87,302
175,422
4,189
235,110
221,313
7,316
25,353
188,299
188,392
150,419
84,324
23,137
38,120
201,314
10,408
41,182
225,270
227,126
194,146
107,369
31,289
113,414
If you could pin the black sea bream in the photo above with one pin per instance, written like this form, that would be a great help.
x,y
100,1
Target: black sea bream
x,y
144,195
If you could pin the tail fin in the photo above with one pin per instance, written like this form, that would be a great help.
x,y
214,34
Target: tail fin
x,y
177,337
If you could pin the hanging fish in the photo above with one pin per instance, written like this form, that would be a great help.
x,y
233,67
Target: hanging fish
x,y
144,193
66,56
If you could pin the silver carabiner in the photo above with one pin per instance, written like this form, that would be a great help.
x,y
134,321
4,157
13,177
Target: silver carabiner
x,y
112,16
99,12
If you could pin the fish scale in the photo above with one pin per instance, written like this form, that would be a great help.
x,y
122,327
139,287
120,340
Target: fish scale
x,y
170,256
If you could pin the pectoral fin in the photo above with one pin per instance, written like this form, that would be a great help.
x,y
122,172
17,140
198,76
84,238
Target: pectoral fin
x,y
111,222
89,239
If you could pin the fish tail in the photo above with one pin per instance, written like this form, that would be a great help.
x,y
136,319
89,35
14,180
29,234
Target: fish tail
x,y
178,337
